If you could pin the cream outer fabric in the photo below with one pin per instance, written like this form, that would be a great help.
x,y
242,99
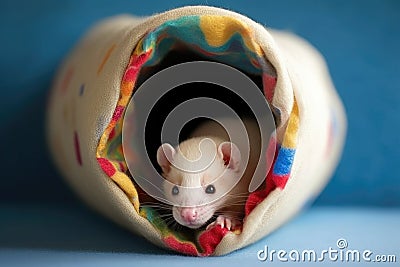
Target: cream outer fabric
x,y
301,73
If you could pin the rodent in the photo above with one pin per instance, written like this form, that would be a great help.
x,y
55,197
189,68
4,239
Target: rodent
x,y
189,209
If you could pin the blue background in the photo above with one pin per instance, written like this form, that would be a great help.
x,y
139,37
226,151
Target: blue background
x,y
43,224
359,39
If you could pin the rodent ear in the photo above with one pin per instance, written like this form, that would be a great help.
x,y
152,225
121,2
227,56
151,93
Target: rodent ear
x,y
165,153
230,154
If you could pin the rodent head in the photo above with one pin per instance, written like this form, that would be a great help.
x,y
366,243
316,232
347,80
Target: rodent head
x,y
198,195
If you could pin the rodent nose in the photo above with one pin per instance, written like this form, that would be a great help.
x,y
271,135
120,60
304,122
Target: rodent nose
x,y
189,214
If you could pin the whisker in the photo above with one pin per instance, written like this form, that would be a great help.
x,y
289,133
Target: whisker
x,y
157,207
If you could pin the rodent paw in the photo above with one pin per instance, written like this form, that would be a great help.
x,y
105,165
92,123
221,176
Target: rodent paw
x,y
225,222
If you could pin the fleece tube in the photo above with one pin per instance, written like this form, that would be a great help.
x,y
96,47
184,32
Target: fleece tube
x,y
93,86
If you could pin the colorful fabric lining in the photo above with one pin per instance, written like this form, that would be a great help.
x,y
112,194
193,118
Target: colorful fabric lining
x,y
216,38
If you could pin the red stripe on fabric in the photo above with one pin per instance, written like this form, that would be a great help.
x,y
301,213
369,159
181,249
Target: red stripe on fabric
x,y
135,66
258,196
112,134
210,239
121,166
77,149
280,180
272,181
185,248
269,84
106,166
117,113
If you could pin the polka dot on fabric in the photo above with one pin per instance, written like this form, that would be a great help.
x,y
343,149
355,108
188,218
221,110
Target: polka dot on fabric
x,y
77,149
66,80
105,59
81,90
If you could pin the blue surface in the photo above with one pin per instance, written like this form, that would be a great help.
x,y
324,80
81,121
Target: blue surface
x,y
66,236
360,40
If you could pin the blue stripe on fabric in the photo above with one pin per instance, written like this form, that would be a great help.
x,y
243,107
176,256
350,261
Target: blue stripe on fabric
x,y
284,161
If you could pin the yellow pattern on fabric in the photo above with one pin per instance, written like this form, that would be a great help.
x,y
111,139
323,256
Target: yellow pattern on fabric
x,y
218,30
290,139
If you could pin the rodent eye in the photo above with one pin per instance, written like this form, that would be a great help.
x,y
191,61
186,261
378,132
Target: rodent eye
x,y
175,190
210,189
